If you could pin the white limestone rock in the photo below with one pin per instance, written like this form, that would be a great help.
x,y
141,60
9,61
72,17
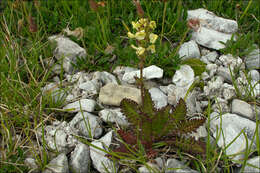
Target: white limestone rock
x,y
176,166
81,105
87,124
58,136
150,72
230,61
53,93
212,69
210,20
253,161
113,116
225,73
67,51
104,77
113,94
242,108
158,97
183,77
98,157
189,49
210,38
91,87
151,167
254,75
220,105
231,125
31,163
212,29
80,159
58,165
252,61
212,56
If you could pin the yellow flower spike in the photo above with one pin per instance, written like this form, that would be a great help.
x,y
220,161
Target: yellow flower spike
x,y
139,50
153,38
136,25
140,35
152,25
143,22
151,48
130,35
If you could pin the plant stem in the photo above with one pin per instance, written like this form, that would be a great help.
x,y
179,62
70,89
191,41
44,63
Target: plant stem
x,y
141,66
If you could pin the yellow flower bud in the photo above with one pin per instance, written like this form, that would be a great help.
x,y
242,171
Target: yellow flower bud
x,y
140,35
152,25
139,50
136,25
153,38
143,21
151,48
130,35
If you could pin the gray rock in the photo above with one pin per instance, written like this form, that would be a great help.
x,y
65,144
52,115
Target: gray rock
x,y
175,166
204,76
225,73
189,50
228,91
79,78
112,94
254,75
213,87
242,108
210,38
158,97
58,136
105,77
80,159
98,157
252,61
231,125
230,61
175,93
212,56
149,168
91,87
210,20
150,72
220,105
87,124
67,51
31,163
253,161
212,68
113,116
53,93
81,105
183,77
58,165
160,162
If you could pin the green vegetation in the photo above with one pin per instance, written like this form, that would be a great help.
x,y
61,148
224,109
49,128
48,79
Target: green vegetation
x,y
24,47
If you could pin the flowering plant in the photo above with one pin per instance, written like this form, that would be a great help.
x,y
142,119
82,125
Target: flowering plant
x,y
145,43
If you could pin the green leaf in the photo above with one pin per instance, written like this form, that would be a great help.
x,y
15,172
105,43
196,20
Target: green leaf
x,y
180,111
148,106
197,65
131,109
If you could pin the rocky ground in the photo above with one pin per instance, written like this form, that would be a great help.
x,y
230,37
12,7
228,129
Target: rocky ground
x,y
93,99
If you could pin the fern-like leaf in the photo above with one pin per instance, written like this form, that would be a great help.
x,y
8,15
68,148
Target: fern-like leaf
x,y
189,145
191,125
148,105
131,109
180,111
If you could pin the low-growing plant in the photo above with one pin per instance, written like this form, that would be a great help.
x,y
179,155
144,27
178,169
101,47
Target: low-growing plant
x,y
240,44
152,127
